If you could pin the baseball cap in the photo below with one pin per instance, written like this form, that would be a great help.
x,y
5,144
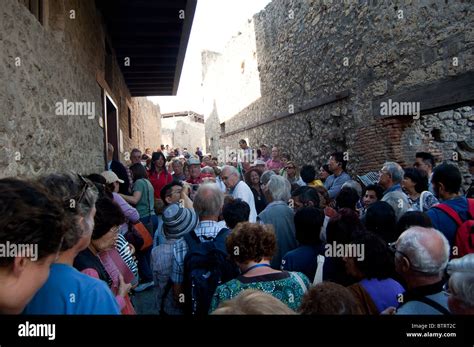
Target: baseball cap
x,y
111,177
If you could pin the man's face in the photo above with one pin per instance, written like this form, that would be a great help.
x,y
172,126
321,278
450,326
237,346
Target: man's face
x,y
421,165
136,157
275,153
174,194
177,168
333,164
230,180
243,145
385,180
264,151
195,170
369,198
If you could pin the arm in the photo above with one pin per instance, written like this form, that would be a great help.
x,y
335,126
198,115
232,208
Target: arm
x,y
335,188
130,212
187,202
134,199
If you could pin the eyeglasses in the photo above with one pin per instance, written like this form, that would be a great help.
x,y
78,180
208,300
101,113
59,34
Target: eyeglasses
x,y
85,186
393,247
290,167
76,200
225,178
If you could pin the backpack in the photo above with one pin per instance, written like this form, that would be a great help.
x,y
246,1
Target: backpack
x,y
464,239
206,266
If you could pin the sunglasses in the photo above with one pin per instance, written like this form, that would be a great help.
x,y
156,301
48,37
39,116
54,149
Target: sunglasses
x,y
80,197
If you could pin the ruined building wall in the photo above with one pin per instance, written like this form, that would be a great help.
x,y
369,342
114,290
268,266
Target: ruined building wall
x,y
311,50
181,132
42,64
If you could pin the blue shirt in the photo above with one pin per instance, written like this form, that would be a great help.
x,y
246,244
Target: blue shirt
x,y
444,223
68,291
302,259
334,183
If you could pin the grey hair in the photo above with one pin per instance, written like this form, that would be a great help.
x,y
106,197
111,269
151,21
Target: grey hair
x,y
395,171
176,161
422,258
232,170
266,176
462,278
354,185
208,200
69,187
279,188
208,170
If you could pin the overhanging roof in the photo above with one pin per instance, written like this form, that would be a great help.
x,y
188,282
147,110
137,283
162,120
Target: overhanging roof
x,y
154,37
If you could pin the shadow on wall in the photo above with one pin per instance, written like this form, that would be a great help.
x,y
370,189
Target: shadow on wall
x,y
212,128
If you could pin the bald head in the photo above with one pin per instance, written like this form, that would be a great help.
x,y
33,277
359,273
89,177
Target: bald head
x,y
427,249
208,201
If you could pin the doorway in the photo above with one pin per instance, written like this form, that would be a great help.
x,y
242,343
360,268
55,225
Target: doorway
x,y
111,126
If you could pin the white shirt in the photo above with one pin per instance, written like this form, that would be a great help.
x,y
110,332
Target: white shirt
x,y
242,191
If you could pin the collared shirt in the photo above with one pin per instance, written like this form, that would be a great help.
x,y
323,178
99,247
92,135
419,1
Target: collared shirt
x,y
393,188
334,183
205,228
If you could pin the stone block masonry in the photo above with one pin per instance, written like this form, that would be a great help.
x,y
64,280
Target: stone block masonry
x,y
61,58
309,50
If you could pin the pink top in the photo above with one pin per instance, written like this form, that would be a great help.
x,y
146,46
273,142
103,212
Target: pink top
x,y
274,164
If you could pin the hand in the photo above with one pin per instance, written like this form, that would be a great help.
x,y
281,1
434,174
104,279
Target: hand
x,y
132,249
186,189
124,288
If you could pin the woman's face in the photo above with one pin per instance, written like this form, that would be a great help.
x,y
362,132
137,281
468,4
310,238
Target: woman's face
x,y
407,184
108,240
87,225
254,178
291,170
323,174
24,280
159,163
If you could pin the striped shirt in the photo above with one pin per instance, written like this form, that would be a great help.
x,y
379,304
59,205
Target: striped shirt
x,y
124,251
205,228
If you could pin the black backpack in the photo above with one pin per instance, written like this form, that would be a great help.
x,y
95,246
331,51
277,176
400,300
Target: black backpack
x,y
206,265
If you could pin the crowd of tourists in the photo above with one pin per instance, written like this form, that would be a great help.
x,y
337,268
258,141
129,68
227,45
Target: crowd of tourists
x,y
258,234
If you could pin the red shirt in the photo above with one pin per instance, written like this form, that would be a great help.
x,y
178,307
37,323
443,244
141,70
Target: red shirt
x,y
158,182
195,180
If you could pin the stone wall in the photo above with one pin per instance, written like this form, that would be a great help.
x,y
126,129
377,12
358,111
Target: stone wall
x,y
43,64
181,132
311,50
